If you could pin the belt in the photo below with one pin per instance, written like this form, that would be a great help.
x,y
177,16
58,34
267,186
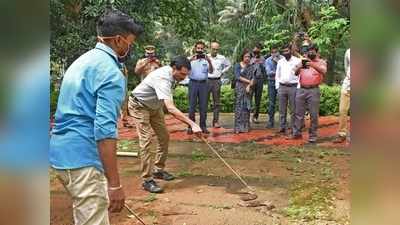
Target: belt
x,y
309,86
288,85
214,78
198,81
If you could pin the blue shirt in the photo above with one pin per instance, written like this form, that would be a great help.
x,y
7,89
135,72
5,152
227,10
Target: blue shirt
x,y
199,69
91,95
270,67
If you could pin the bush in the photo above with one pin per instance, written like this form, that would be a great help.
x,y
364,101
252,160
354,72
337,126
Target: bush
x,y
329,105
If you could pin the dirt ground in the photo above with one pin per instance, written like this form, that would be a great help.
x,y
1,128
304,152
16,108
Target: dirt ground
x,y
302,183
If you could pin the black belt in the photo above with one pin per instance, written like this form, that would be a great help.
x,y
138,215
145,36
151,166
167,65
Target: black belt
x,y
288,85
214,78
198,81
309,86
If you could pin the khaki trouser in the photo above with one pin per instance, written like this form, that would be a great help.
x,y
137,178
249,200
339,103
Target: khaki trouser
x,y
147,120
88,188
344,107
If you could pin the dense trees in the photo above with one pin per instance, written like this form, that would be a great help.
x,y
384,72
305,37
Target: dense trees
x,y
174,25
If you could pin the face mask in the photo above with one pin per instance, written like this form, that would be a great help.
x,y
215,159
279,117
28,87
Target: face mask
x,y
127,54
312,56
287,56
199,52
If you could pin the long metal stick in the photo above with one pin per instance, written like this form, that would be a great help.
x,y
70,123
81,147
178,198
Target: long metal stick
x,y
227,165
134,214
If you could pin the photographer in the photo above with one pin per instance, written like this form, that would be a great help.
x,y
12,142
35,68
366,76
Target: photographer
x,y
310,71
147,64
198,88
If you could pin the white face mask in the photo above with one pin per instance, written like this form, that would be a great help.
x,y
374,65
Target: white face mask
x,y
125,56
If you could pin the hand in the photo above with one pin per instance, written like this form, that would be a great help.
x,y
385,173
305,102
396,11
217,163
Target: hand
x,y
117,200
196,129
251,82
248,88
193,58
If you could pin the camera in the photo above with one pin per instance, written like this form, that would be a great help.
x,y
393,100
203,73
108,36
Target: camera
x,y
304,61
201,56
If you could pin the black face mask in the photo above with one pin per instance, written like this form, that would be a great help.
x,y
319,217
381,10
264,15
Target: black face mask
x,y
312,56
199,52
287,56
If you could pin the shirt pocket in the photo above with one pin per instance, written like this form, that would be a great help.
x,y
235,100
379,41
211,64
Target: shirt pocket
x,y
204,68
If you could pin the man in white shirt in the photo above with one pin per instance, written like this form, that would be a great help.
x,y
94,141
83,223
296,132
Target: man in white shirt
x,y
220,65
286,83
344,104
146,105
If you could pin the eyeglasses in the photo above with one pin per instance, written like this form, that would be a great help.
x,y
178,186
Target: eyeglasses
x,y
215,49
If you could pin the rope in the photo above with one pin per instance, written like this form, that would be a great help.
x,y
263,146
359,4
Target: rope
x,y
134,214
227,165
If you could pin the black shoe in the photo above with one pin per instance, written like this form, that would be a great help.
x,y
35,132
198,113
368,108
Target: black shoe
x,y
189,131
205,131
312,140
163,175
152,187
282,131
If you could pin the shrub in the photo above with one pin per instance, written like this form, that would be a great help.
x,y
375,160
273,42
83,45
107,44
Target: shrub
x,y
329,105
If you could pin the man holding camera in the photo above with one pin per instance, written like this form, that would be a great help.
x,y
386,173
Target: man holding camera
x,y
149,63
310,72
198,87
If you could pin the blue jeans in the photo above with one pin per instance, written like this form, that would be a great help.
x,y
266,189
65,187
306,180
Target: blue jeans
x,y
272,92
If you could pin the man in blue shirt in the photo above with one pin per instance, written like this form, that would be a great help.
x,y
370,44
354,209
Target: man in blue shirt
x,y
270,67
198,88
84,138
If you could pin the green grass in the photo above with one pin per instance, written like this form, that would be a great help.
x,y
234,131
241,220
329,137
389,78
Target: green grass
x,y
182,174
127,146
198,155
150,198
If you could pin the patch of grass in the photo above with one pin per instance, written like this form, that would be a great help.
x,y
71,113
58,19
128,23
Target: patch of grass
x,y
151,197
310,201
198,155
184,174
127,146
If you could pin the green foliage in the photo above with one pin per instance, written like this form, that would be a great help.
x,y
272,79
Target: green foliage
x,y
329,30
53,100
151,197
330,97
198,155
329,105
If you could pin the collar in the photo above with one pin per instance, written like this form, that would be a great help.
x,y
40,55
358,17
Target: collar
x,y
108,50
